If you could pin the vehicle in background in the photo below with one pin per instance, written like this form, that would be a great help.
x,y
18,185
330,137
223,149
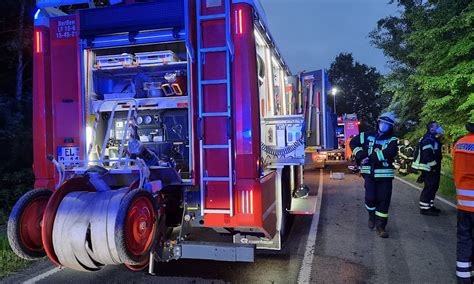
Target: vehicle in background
x,y
313,89
347,127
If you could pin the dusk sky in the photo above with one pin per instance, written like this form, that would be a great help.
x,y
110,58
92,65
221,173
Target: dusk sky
x,y
311,33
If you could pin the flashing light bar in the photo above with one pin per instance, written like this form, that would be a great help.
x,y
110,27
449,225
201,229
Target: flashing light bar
x,y
54,3
37,14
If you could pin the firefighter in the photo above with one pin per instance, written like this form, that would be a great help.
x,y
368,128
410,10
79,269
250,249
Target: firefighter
x,y
464,180
406,155
428,161
376,151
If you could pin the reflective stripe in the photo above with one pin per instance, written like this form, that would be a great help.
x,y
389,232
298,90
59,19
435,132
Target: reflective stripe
x,y
369,208
463,274
424,204
427,147
465,192
468,203
380,155
383,175
384,171
365,169
380,214
433,163
362,139
393,139
463,264
425,207
356,150
420,166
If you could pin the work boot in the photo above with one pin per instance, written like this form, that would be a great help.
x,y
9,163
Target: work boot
x,y
435,209
429,212
380,224
371,222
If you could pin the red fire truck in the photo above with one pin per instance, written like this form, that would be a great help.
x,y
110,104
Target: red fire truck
x,y
154,121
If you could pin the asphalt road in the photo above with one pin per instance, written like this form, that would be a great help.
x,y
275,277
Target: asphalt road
x,y
421,249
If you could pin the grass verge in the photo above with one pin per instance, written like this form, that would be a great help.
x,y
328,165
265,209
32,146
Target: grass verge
x,y
447,189
9,261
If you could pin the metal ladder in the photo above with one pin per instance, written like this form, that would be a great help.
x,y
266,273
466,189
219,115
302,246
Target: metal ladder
x,y
228,49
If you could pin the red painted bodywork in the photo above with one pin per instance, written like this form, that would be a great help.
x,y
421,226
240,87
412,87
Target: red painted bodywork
x,y
58,117
42,110
246,135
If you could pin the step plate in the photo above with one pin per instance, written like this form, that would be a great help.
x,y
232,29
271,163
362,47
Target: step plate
x,y
260,243
216,251
304,206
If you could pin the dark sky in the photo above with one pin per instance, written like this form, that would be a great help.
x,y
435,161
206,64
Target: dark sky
x,y
311,33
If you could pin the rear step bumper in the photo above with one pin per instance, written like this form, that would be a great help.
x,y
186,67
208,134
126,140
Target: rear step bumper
x,y
215,251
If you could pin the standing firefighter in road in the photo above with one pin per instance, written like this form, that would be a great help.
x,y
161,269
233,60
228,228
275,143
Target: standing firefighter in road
x,y
464,180
428,161
376,153
406,157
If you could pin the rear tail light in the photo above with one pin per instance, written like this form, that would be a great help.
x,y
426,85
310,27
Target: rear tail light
x,y
239,26
38,42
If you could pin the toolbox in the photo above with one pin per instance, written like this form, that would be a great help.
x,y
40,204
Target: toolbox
x,y
115,61
156,57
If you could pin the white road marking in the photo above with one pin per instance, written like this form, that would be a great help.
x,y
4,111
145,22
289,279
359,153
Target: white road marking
x,y
304,275
43,275
420,189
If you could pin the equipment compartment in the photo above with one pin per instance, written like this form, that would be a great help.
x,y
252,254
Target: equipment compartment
x,y
146,71
155,87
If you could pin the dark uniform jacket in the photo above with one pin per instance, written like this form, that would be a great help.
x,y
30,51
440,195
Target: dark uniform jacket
x,y
428,157
406,152
381,151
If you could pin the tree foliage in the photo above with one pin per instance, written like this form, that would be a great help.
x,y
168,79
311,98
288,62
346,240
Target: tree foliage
x,y
359,89
431,46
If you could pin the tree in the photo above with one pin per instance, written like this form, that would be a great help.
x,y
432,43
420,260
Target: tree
x,y
359,89
431,47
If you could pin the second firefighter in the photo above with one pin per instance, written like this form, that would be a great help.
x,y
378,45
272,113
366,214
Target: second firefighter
x,y
376,151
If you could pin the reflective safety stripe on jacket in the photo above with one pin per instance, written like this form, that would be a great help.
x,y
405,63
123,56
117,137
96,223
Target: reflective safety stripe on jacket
x,y
464,172
418,163
380,151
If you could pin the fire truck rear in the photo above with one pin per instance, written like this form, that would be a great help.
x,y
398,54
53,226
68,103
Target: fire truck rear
x,y
154,122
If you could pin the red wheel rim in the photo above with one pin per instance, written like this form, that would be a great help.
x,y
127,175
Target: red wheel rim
x,y
140,226
74,184
140,266
30,224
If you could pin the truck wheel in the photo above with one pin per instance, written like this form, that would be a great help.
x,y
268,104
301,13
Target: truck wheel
x,y
24,224
140,266
135,228
286,202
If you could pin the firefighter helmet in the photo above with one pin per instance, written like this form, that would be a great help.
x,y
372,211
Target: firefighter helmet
x,y
388,117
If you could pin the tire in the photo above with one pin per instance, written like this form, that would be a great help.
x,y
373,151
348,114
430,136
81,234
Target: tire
x,y
140,267
24,224
134,245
